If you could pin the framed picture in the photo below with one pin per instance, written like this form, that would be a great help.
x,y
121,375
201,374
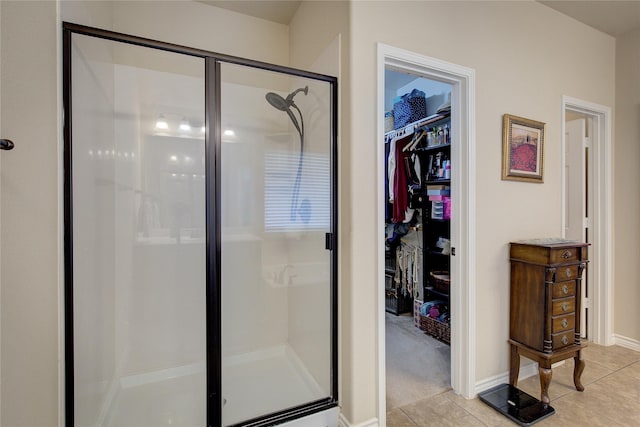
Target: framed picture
x,y
522,143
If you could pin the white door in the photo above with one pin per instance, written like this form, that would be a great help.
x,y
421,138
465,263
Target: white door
x,y
577,188
575,146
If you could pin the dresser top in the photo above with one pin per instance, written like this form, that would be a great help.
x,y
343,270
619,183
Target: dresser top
x,y
549,251
551,242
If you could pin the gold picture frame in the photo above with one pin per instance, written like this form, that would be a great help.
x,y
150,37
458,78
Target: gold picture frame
x,y
522,149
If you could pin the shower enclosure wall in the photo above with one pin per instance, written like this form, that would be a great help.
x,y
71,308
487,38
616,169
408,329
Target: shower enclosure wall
x,y
200,229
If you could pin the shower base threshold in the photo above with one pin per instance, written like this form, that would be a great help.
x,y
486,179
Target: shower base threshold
x,y
270,380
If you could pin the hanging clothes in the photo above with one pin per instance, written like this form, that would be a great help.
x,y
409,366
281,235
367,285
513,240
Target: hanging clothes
x,y
403,178
388,206
398,178
408,275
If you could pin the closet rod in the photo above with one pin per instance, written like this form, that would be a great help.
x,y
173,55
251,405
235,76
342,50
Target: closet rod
x,y
411,127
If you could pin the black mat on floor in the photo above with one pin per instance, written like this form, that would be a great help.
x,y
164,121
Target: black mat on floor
x,y
518,406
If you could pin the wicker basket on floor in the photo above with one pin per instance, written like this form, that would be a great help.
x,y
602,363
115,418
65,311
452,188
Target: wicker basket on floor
x,y
435,328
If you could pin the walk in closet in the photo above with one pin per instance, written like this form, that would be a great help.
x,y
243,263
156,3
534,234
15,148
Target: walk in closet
x,y
417,168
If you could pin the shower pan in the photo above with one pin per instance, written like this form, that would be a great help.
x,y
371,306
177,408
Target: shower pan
x,y
200,237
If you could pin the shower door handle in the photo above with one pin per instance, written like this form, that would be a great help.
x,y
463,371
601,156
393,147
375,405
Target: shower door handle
x,y
328,241
6,144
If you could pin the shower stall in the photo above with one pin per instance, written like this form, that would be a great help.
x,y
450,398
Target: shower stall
x,y
200,237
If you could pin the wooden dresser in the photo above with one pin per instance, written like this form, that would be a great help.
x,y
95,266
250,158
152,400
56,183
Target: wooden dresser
x,y
544,321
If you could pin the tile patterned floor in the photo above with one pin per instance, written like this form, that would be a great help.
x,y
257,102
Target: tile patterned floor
x,y
611,397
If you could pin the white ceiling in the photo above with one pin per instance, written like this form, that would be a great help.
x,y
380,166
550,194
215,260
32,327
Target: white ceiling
x,y
613,17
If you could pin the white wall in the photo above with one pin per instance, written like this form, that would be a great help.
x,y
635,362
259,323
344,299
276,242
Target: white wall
x,y
30,216
626,179
521,70
198,25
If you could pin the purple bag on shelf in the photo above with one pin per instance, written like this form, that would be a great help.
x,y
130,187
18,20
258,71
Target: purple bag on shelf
x,y
411,108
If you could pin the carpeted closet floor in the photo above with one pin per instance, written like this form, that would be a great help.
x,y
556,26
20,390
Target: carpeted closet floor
x,y
417,365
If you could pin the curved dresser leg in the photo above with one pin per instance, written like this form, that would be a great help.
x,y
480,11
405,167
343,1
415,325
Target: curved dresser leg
x,y
545,380
577,371
514,370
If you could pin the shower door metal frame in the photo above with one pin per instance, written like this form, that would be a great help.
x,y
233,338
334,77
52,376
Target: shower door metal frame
x,y
213,248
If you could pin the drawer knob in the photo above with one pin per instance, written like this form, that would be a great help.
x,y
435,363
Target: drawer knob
x,y
566,254
565,289
564,306
564,323
564,340
568,272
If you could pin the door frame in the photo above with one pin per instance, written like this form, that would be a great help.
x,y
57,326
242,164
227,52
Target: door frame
x,y
602,216
463,236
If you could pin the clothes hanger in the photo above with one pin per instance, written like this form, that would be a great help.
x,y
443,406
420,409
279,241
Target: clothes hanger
x,y
415,141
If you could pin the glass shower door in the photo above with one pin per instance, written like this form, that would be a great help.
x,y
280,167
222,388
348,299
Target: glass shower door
x,y
200,262
275,213
137,175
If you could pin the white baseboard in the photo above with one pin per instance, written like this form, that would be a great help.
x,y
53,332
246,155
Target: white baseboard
x,y
629,343
525,372
343,422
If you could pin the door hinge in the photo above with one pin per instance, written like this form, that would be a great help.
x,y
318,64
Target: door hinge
x,y
586,222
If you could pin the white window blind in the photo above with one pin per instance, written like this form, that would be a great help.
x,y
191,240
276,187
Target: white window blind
x,y
313,204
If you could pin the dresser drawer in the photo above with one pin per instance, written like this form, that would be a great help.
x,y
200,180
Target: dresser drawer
x,y
563,306
566,272
564,289
563,323
562,339
562,255
548,251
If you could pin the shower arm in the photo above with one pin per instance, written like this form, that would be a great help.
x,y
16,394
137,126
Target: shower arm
x,y
301,127
296,186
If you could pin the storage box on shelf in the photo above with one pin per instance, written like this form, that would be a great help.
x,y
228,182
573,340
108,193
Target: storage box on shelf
x,y
440,281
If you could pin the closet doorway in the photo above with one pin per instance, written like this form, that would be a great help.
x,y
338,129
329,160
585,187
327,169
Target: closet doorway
x,y
417,237
457,370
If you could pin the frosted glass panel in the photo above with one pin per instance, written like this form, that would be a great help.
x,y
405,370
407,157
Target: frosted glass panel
x,y
138,236
275,212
